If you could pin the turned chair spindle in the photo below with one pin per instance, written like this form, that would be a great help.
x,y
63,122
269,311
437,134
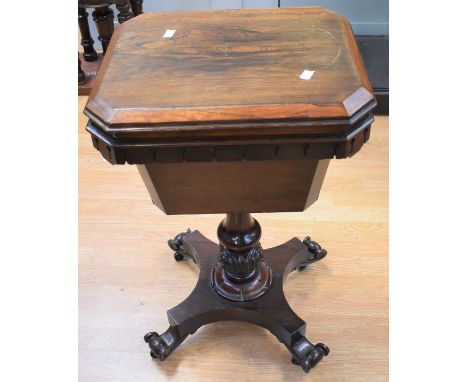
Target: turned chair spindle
x,y
103,16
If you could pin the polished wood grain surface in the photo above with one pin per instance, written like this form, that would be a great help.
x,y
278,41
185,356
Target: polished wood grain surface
x,y
129,279
230,65
239,186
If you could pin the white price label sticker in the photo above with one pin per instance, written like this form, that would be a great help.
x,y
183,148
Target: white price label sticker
x,y
307,74
169,33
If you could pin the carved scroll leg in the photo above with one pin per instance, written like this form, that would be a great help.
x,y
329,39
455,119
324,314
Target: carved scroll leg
x,y
307,355
184,319
180,249
316,253
196,310
290,329
279,317
163,345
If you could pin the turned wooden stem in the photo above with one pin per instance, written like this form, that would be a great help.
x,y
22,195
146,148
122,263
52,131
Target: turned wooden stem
x,y
240,250
239,232
238,221
241,273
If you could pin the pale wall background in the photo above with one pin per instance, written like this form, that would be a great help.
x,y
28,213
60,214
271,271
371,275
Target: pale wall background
x,y
368,17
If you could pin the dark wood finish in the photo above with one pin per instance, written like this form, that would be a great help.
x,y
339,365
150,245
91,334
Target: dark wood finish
x,y
90,69
317,146
241,274
218,121
317,181
124,12
123,7
270,311
104,18
87,41
238,186
231,65
231,79
137,7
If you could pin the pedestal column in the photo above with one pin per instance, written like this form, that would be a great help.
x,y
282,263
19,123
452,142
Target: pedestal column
x,y
242,273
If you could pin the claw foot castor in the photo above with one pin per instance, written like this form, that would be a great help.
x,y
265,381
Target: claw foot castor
x,y
177,244
307,355
157,345
315,250
163,345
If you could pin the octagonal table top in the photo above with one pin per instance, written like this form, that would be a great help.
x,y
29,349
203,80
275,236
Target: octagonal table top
x,y
230,65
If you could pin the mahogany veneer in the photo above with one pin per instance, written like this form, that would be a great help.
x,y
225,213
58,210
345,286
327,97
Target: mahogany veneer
x,y
218,120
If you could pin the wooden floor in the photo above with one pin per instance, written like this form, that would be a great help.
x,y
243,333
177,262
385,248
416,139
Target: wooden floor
x,y
128,278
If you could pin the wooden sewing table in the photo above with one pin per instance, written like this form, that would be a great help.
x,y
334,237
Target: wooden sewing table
x,y
234,112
